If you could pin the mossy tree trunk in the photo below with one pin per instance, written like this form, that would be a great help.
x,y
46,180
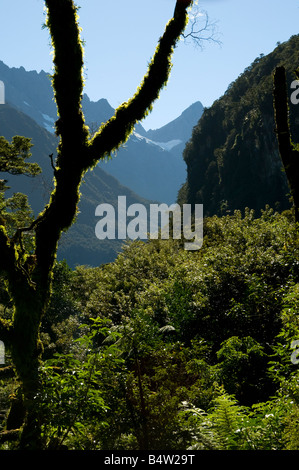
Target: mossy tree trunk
x,y
29,284
289,151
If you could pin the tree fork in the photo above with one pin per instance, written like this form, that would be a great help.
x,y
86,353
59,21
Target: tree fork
x,y
75,155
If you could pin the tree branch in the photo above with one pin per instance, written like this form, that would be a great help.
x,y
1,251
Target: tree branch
x,y
201,31
11,435
6,331
75,154
7,372
68,82
282,115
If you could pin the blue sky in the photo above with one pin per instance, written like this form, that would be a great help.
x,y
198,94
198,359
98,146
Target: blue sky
x,y
121,37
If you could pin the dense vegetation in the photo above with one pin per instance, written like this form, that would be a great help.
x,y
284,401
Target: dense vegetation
x,y
232,158
170,349
163,348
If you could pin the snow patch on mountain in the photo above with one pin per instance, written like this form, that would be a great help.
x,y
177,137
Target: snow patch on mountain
x,y
164,145
48,123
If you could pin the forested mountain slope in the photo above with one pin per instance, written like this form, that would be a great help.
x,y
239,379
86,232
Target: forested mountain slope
x,y
232,158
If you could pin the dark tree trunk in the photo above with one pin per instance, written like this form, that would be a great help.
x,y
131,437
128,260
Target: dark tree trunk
x,y
77,152
287,149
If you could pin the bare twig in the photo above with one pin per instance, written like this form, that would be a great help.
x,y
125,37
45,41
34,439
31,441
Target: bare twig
x,y
201,29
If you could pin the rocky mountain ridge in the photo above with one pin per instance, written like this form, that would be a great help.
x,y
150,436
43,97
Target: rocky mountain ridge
x,y
148,156
232,158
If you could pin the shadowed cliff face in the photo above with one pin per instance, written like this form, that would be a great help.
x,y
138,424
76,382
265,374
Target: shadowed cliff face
x,y
232,158
150,163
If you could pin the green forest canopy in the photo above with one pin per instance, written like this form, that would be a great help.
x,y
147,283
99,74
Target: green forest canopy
x,y
153,350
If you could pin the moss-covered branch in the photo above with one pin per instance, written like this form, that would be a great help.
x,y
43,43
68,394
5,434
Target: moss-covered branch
x,y
8,258
62,21
7,372
75,155
68,82
118,129
288,150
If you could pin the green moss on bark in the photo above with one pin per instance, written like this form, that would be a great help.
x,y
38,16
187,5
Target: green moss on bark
x,y
31,290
